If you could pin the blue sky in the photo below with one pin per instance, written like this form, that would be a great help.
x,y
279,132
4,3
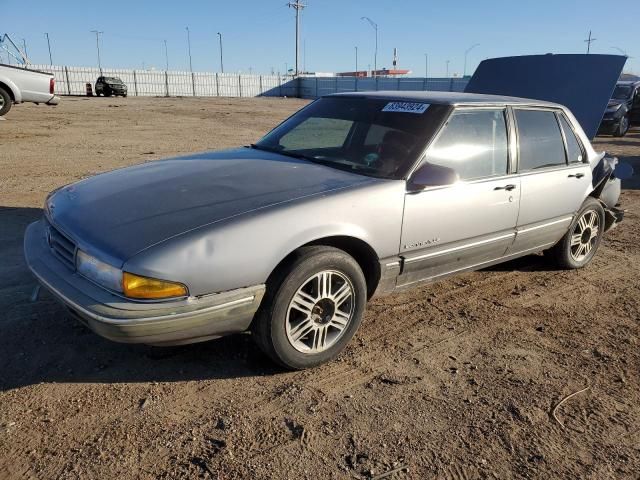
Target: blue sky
x,y
259,34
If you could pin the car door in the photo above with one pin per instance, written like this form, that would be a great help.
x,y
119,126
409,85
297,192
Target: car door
x,y
635,108
554,177
454,227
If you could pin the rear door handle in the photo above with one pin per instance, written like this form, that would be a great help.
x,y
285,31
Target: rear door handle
x,y
576,175
508,188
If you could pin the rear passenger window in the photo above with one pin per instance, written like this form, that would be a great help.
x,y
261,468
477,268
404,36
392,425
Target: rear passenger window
x,y
473,143
574,150
539,139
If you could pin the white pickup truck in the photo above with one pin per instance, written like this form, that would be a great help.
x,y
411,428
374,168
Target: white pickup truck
x,y
18,84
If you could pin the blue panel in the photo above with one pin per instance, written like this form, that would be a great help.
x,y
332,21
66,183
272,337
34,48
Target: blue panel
x,y
584,83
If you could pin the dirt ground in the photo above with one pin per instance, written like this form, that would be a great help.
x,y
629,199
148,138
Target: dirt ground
x,y
456,380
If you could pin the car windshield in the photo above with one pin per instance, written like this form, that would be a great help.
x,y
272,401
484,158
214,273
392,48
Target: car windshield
x,y
622,92
112,80
375,137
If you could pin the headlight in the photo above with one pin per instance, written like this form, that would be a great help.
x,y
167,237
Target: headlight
x,y
136,286
98,271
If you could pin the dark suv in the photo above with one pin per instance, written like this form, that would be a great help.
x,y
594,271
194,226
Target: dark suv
x,y
623,109
108,86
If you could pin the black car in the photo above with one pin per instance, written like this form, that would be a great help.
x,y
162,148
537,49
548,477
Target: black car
x,y
108,86
623,109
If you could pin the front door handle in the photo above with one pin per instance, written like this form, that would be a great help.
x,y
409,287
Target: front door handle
x,y
508,188
576,175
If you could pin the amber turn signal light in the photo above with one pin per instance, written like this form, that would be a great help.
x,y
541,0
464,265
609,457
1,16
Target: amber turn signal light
x,y
136,286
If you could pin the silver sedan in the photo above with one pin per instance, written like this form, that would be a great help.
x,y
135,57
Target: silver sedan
x,y
353,196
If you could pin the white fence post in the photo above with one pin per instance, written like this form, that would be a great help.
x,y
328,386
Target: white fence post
x,y
135,83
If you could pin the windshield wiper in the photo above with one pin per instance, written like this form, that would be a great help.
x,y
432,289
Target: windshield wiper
x,y
299,156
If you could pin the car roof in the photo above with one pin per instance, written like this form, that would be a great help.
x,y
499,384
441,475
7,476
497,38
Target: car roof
x,y
448,98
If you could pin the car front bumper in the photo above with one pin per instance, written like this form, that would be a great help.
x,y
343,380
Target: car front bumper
x,y
122,320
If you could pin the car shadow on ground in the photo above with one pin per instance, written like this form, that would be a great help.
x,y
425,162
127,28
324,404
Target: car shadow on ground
x,y
40,342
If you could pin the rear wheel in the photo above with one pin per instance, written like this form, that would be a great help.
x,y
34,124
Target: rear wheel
x,y
5,101
578,246
312,308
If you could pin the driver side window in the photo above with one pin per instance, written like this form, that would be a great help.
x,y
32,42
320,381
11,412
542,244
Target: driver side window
x,y
474,143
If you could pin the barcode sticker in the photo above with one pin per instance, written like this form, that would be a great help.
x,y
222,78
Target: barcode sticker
x,y
405,107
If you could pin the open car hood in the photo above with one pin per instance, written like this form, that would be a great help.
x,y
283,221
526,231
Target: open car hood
x,y
583,83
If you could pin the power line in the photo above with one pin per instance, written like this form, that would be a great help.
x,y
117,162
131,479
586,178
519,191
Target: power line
x,y
298,6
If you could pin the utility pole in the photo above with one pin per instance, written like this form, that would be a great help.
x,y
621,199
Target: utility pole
x,y
447,76
221,65
374,25
356,61
589,41
464,72
98,47
298,6
166,56
24,47
49,45
426,65
189,46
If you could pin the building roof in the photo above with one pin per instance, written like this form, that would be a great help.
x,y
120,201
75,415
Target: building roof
x,y
447,98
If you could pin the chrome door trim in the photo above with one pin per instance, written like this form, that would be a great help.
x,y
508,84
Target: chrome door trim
x,y
458,248
543,225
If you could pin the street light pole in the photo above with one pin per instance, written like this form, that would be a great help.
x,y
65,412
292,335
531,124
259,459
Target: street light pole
x,y
189,46
221,65
426,65
166,56
621,51
356,61
98,47
49,45
374,25
447,76
464,72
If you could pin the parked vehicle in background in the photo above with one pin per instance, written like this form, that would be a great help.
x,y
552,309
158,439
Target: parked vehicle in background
x,y
355,195
623,109
109,86
19,84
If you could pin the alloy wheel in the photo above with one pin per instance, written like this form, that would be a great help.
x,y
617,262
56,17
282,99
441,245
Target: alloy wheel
x,y
320,312
585,235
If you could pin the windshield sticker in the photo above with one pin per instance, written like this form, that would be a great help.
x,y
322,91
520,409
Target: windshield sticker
x,y
405,107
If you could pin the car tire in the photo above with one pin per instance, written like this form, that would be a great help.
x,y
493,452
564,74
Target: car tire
x,y
623,127
300,324
579,245
5,102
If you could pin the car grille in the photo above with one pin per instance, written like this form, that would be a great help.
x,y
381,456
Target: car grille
x,y
62,246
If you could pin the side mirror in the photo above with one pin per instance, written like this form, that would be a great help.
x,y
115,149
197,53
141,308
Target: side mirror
x,y
430,175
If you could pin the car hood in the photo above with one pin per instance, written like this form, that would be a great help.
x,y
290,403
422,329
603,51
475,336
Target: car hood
x,y
118,214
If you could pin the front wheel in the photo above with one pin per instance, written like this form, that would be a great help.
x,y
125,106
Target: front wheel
x,y
578,246
5,102
312,308
623,127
